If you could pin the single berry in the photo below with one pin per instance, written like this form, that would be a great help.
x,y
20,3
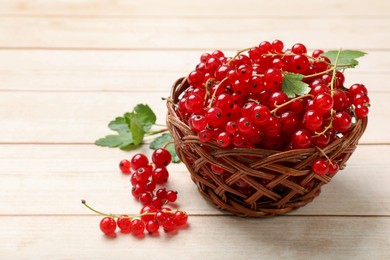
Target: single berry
x,y
124,166
301,139
161,157
108,226
139,160
137,227
320,166
160,175
180,218
342,121
152,226
124,224
171,196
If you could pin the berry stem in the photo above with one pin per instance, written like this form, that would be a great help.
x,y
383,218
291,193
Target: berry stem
x,y
324,154
239,52
156,132
332,112
215,92
334,72
289,102
120,216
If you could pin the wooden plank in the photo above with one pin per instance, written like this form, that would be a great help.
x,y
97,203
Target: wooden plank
x,y
122,80
217,8
195,33
135,70
52,179
59,117
47,237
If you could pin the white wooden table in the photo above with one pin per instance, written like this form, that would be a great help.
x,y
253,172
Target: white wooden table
x,y
69,67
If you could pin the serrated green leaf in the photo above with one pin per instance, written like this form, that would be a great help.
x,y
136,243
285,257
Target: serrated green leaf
x,y
109,141
123,140
120,125
145,116
347,58
292,85
161,141
135,128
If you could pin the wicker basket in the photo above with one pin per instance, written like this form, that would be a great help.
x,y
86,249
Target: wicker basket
x,y
282,181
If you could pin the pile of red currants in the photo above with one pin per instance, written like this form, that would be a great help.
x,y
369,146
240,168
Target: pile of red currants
x,y
241,101
145,177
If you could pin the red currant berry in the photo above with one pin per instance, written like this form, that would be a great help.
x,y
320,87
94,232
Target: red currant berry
x,y
320,166
171,195
161,194
137,227
157,203
289,122
148,212
195,78
170,225
145,198
152,226
124,166
323,103
160,175
197,123
277,46
340,79
265,47
181,218
361,99
224,101
215,117
333,167
260,115
361,111
342,121
139,160
150,186
313,120
194,103
217,170
277,98
339,99
299,48
299,64
273,80
137,189
161,216
273,127
108,226
205,135
212,64
244,125
244,72
142,174
161,157
124,224
357,89
224,139
301,139
317,53
231,127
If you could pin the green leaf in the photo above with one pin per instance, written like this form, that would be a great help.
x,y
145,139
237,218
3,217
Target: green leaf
x,y
145,116
161,141
135,127
119,124
347,58
121,140
292,85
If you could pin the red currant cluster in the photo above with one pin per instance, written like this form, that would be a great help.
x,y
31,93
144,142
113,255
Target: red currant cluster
x,y
240,102
145,177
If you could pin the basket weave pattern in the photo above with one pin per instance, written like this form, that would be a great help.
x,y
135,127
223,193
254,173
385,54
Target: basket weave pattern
x,y
281,181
